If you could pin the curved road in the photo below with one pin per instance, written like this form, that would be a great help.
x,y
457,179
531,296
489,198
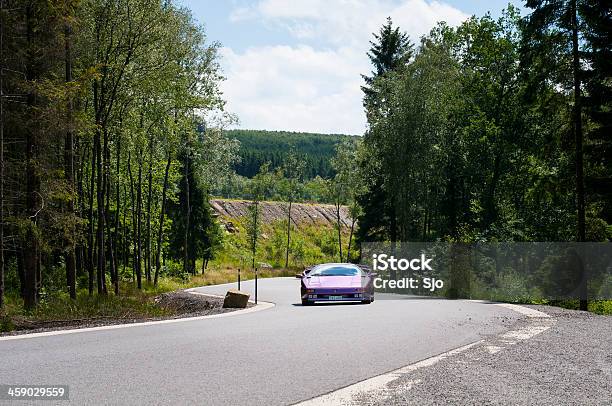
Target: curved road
x,y
276,356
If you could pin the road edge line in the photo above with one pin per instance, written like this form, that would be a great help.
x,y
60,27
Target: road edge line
x,y
258,307
345,395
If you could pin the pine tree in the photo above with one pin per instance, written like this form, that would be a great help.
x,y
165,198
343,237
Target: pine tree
x,y
598,102
558,35
389,51
194,234
552,46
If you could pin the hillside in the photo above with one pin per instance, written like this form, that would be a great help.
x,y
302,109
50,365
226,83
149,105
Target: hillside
x,y
314,237
271,212
258,147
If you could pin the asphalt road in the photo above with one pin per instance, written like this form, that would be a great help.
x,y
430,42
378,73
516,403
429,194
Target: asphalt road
x,y
569,363
276,356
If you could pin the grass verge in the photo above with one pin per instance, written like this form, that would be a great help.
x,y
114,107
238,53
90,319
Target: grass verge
x,y
131,304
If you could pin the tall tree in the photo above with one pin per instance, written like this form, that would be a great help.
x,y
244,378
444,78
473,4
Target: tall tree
x,y
389,52
552,45
70,256
345,187
597,16
260,188
1,154
554,33
292,171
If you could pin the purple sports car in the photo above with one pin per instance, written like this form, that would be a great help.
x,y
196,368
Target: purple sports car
x,y
337,283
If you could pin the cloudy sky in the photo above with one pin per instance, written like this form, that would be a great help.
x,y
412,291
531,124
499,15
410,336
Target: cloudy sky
x,y
296,64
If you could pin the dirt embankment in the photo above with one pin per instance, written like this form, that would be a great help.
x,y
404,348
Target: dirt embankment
x,y
301,213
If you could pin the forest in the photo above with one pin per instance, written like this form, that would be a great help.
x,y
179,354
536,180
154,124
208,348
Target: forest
x,y
259,147
107,151
114,136
496,130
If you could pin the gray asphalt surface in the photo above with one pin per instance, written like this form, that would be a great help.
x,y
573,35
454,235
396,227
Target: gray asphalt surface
x,y
271,357
568,364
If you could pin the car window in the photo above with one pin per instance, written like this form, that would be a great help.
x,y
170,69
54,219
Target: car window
x,y
336,271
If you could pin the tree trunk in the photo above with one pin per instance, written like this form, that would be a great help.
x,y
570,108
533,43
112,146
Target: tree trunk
x,y
1,157
31,245
139,217
580,194
124,239
149,199
339,224
32,196
117,215
161,221
100,268
69,167
136,265
187,216
490,214
80,248
288,235
255,231
90,242
109,240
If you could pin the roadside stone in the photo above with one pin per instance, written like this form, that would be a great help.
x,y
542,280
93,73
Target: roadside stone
x,y
235,299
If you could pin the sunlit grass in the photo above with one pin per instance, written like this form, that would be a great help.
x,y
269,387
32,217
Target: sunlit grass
x,y
130,304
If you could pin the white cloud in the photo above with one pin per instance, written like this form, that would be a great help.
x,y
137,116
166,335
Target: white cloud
x,y
295,88
316,87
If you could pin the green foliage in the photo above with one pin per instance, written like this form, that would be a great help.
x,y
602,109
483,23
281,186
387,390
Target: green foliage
x,y
310,244
193,226
390,50
461,147
119,91
259,147
260,188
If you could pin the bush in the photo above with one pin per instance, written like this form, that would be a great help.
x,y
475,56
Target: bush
x,y
176,270
6,324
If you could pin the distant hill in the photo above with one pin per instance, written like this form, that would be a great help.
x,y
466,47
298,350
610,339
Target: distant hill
x,y
258,147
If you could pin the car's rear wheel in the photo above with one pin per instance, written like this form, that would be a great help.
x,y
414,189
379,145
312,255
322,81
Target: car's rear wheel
x,y
367,301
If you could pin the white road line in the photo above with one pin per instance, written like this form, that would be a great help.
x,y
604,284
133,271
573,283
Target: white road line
x,y
260,306
376,387
527,311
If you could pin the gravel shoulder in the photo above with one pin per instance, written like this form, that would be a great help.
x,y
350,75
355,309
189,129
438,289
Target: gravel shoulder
x,y
570,363
179,304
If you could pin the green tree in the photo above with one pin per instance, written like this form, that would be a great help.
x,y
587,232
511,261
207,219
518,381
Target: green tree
x,y
292,173
260,188
194,234
345,187
558,36
390,51
552,47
